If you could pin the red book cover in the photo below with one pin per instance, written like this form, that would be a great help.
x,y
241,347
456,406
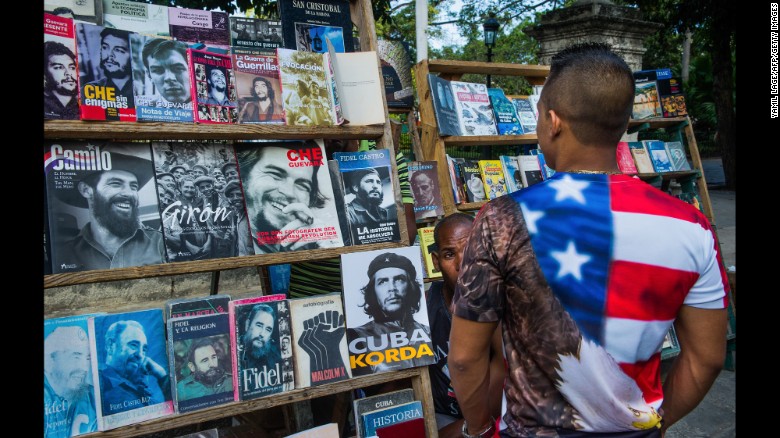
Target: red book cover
x,y
414,428
625,160
213,87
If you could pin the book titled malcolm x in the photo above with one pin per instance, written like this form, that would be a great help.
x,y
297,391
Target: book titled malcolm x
x,y
387,318
213,87
162,84
131,364
262,365
306,24
97,191
197,224
68,385
201,361
289,196
319,340
369,196
201,30
105,73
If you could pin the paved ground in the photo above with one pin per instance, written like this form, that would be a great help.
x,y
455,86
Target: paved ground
x,y
716,416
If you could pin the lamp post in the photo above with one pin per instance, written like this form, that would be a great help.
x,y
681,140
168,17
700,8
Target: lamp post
x,y
490,26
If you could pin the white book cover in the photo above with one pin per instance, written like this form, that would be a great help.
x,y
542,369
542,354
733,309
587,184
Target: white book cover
x,y
387,318
475,113
143,18
530,170
360,90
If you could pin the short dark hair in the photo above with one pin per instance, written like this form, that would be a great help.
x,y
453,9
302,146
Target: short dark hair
x,y
371,305
199,343
430,173
451,220
156,46
117,33
257,308
210,69
271,93
54,48
354,177
592,88
249,158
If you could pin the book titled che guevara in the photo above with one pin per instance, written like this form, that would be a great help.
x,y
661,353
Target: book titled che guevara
x,y
387,317
213,87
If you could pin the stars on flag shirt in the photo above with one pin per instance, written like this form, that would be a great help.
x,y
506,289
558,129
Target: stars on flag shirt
x,y
587,273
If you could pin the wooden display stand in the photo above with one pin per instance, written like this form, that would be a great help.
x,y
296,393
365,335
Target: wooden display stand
x,y
362,16
434,146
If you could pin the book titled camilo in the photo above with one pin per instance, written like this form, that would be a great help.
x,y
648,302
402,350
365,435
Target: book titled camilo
x,y
387,318
258,88
319,340
131,364
201,361
258,327
98,193
60,69
213,87
308,88
369,196
163,83
306,24
363,405
68,384
105,73
289,196
388,416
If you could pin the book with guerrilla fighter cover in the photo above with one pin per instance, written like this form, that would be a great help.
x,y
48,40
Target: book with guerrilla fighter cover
x,y
308,88
213,87
201,30
105,74
143,18
258,87
363,405
201,361
475,113
507,120
384,417
66,348
424,181
492,178
386,329
76,230
319,341
60,72
163,83
249,35
289,196
306,24
198,222
131,363
258,327
185,307
369,198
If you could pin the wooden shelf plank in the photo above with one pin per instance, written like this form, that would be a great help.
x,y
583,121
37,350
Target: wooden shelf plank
x,y
657,123
242,407
488,140
470,206
491,68
190,267
78,129
669,175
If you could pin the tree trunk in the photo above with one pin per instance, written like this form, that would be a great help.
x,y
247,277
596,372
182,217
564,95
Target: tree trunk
x,y
722,83
686,56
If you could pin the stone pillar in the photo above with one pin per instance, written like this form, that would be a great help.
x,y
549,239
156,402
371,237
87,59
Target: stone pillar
x,y
593,21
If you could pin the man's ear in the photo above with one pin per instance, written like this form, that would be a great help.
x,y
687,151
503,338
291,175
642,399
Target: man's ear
x,y
555,123
191,367
435,260
85,190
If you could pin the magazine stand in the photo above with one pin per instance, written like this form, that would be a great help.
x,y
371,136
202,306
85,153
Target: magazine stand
x,y
434,146
362,17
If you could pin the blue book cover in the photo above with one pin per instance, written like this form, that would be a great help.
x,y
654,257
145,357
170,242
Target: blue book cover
x,y
200,358
658,155
68,386
305,25
525,112
130,360
395,414
369,196
507,120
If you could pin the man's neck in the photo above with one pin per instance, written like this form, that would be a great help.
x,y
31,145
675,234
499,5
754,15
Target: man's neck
x,y
263,104
63,98
219,96
120,82
106,239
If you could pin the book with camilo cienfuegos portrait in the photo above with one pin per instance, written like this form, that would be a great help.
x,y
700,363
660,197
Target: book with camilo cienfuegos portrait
x,y
319,341
369,196
306,24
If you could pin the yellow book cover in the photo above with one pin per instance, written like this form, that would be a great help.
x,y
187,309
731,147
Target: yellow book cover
x,y
492,178
426,238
